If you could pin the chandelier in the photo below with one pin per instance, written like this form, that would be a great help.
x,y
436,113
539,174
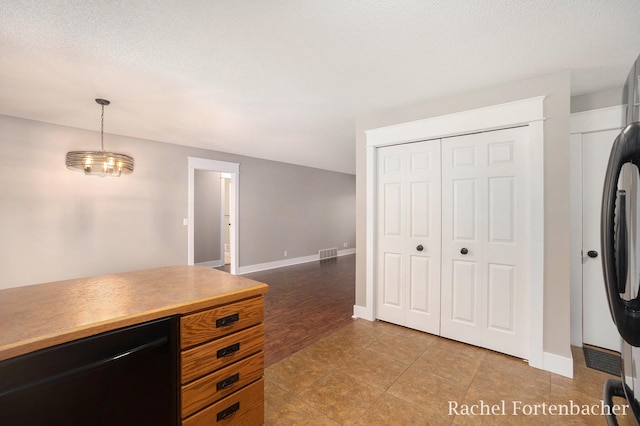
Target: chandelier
x,y
100,163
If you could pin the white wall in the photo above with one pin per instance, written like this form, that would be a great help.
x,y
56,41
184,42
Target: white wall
x,y
57,224
556,89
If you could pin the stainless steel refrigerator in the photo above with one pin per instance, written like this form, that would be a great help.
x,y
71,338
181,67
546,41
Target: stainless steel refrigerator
x,y
620,239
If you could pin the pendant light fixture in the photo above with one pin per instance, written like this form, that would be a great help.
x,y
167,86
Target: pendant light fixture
x,y
100,163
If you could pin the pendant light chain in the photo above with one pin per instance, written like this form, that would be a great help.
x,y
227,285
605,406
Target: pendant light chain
x,y
102,129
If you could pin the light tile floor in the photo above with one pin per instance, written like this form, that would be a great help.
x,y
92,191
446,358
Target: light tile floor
x,y
375,373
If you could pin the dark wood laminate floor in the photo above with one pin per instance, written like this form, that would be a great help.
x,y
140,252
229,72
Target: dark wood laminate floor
x,y
305,303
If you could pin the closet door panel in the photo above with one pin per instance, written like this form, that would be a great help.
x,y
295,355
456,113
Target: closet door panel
x,y
392,290
501,296
391,195
485,223
420,207
419,296
391,268
412,209
464,292
461,222
501,210
464,210
423,239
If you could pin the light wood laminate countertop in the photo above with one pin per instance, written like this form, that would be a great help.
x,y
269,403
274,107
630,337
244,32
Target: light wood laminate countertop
x,y
43,315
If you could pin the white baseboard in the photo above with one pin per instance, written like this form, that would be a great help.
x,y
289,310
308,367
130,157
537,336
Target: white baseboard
x,y
212,263
362,312
558,364
287,262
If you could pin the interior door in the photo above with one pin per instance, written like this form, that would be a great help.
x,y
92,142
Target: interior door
x,y
598,328
408,263
485,240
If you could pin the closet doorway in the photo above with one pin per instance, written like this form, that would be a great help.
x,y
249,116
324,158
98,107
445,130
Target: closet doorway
x,y
527,114
453,234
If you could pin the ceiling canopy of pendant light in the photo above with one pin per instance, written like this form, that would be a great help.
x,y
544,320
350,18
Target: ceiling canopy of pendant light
x,y
100,163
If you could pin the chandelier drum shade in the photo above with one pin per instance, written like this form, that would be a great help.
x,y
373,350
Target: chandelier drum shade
x,y
100,163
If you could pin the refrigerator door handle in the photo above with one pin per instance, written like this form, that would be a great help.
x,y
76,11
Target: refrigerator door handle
x,y
621,242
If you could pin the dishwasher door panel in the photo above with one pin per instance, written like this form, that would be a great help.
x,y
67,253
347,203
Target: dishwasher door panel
x,y
125,377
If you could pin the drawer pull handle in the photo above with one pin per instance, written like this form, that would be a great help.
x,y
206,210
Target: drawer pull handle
x,y
228,412
228,382
228,351
227,321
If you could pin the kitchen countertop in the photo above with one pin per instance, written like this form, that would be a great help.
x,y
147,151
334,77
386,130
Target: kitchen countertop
x,y
42,315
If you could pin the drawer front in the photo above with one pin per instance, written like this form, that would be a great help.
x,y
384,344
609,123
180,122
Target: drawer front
x,y
245,407
213,323
203,359
207,390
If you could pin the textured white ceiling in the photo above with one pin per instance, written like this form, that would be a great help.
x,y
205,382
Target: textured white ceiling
x,y
285,79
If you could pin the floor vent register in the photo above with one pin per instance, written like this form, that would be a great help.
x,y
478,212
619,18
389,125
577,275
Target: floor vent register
x,y
602,360
328,253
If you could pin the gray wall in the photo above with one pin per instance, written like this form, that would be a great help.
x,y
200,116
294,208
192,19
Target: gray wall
x,y
207,205
596,100
296,209
556,88
57,224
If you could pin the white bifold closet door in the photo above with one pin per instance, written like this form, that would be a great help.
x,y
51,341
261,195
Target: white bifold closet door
x,y
485,240
453,238
408,260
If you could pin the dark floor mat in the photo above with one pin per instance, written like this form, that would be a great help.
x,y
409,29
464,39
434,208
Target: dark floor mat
x,y
602,361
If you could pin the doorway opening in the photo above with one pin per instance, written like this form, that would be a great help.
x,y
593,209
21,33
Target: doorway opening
x,y
592,135
225,218
227,199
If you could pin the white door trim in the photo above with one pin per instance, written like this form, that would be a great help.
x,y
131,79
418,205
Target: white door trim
x,y
528,112
233,169
596,120
493,117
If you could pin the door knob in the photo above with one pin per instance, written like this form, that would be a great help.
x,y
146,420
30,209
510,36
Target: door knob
x,y
420,248
464,250
592,254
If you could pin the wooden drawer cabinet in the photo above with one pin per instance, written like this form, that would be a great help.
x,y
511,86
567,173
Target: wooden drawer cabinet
x,y
208,357
245,407
206,390
222,364
213,323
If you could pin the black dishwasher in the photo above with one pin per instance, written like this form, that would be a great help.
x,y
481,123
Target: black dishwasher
x,y
127,376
